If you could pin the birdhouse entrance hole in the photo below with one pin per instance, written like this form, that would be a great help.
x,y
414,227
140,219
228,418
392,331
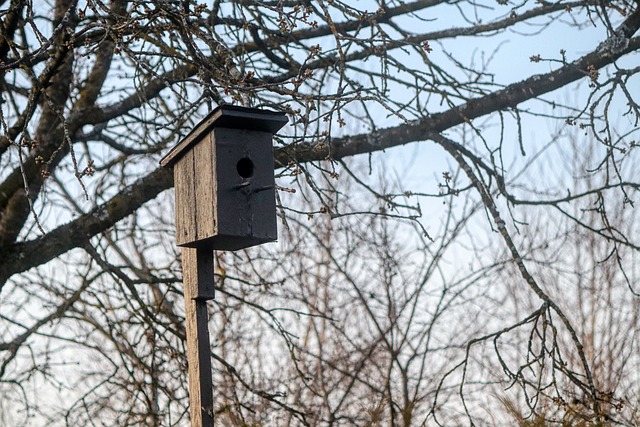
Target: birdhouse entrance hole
x,y
245,167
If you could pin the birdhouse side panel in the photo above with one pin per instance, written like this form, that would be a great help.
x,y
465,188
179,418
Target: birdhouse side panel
x,y
185,199
205,188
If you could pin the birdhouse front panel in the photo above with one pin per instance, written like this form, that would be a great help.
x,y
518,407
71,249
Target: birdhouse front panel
x,y
246,207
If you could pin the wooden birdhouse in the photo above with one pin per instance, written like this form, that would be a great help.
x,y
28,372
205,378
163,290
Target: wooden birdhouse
x,y
224,180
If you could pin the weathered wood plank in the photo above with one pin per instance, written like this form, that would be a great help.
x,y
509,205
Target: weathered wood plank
x,y
198,344
186,225
205,188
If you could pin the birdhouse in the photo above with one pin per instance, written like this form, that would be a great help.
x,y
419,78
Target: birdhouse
x,y
224,180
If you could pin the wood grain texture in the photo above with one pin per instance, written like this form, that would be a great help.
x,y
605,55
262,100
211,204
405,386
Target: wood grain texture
x,y
186,209
205,181
198,344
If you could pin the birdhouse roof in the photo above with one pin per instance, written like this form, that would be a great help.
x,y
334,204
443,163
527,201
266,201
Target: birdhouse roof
x,y
228,116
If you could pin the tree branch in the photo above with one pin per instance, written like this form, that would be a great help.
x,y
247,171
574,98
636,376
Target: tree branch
x,y
23,256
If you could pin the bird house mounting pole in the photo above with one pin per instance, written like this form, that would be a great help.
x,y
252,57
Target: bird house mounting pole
x,y
225,199
197,271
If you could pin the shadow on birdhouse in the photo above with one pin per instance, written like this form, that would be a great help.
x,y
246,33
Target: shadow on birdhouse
x,y
224,180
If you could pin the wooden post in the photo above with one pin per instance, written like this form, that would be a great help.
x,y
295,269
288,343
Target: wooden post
x,y
197,267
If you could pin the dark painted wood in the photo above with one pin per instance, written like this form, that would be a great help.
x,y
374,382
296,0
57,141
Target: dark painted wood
x,y
246,206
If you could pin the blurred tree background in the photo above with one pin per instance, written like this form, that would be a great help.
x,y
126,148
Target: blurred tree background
x,y
456,188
